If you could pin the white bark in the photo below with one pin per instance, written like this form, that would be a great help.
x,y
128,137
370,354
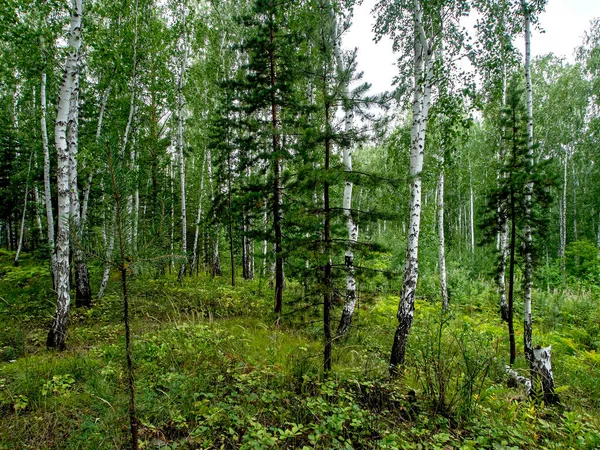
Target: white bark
x,y
563,215
352,228
575,235
442,240
198,217
83,291
180,105
108,255
503,223
527,273
22,230
265,244
423,62
598,238
471,196
38,219
57,334
172,215
47,189
215,260
88,187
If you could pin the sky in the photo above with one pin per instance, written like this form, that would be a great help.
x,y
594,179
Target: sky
x,y
564,23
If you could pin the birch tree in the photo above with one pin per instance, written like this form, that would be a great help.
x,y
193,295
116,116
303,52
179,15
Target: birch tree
x,y
415,26
352,228
58,331
180,104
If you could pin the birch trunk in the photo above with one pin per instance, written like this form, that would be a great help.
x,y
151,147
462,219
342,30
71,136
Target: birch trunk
x,y
442,240
563,218
352,228
180,148
503,224
38,219
421,98
215,264
198,218
277,200
472,215
22,230
108,255
47,188
58,331
598,237
83,292
575,235
327,285
88,187
528,269
265,242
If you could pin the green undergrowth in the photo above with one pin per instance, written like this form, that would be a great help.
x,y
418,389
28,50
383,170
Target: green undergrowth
x,y
212,371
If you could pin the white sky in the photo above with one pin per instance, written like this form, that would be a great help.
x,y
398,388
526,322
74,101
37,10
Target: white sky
x,y
564,23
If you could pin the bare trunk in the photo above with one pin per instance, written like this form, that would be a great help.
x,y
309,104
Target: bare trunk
x,y
58,331
215,264
472,215
503,224
22,230
180,102
542,367
528,269
575,234
422,91
277,200
442,240
198,217
563,217
83,296
47,188
327,285
598,237
352,228
108,255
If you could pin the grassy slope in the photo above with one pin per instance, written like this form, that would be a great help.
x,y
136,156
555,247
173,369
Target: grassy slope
x,y
213,373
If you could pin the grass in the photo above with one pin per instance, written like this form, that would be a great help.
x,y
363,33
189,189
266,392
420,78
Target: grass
x,y
213,372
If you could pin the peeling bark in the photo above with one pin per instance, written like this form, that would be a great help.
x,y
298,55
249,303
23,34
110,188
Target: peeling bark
x,y
180,104
423,61
442,241
528,269
352,228
47,188
83,295
58,330
22,229
198,217
542,364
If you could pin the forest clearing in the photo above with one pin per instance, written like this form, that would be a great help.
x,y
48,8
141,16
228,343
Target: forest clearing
x,y
214,235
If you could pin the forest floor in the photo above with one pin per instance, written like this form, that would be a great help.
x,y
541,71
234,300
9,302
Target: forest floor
x,y
213,372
